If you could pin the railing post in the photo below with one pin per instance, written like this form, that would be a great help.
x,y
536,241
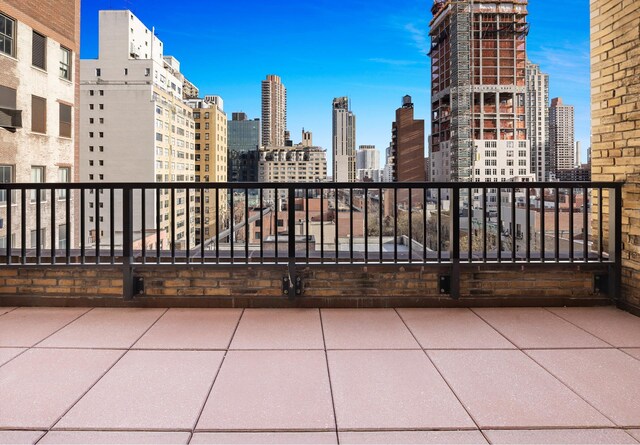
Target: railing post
x,y
127,242
293,284
454,241
615,241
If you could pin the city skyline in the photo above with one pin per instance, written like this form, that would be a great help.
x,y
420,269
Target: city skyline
x,y
373,69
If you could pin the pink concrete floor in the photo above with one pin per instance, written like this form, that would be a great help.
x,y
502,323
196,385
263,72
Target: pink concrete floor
x,y
535,375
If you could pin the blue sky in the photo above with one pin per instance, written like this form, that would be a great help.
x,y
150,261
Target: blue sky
x,y
374,51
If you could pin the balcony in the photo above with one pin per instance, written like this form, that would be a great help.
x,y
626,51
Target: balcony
x,y
444,244
504,375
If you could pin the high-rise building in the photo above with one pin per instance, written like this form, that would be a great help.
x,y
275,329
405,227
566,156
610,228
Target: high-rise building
x,y
368,164
343,141
244,143
561,135
478,88
39,87
407,145
274,111
537,107
135,127
211,162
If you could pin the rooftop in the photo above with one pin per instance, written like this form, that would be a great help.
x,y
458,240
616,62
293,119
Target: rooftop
x,y
504,375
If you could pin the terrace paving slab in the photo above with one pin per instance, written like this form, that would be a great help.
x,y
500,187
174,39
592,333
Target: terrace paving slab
x,y
635,352
191,329
40,385
5,309
147,390
27,326
412,437
378,390
568,437
105,328
7,354
452,329
607,378
20,437
635,434
618,328
114,437
537,328
365,329
270,391
504,389
279,329
265,438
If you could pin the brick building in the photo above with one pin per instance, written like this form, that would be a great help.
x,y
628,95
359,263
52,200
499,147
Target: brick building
x,y
615,118
39,93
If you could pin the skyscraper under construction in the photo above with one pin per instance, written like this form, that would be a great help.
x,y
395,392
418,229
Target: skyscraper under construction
x,y
478,88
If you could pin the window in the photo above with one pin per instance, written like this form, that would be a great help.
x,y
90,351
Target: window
x,y
101,106
64,175
98,72
34,238
65,121
91,92
65,63
39,51
126,71
62,236
7,35
6,176
37,176
38,114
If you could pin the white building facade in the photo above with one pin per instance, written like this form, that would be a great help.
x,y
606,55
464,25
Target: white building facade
x,y
135,127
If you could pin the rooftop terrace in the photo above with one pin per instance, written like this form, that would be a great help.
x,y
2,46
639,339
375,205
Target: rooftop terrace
x,y
497,375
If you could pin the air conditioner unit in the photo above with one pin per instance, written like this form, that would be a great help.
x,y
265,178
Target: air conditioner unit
x,y
10,118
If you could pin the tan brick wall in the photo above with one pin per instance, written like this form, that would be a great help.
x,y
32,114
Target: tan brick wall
x,y
324,286
615,115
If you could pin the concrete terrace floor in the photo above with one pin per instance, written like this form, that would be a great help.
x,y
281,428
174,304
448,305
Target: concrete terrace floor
x,y
534,375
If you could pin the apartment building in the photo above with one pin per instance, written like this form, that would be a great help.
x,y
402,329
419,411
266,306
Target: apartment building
x,y
135,127
343,141
274,111
407,145
292,164
39,87
562,136
368,164
244,145
478,89
211,162
537,107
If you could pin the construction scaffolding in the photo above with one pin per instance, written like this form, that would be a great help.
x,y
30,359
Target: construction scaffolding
x,y
461,92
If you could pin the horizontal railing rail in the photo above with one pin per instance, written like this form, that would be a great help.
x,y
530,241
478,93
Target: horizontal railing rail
x,y
135,224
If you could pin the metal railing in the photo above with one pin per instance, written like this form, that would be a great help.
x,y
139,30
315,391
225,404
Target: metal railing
x,y
138,224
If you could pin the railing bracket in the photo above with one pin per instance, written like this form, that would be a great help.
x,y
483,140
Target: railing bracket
x,y
444,283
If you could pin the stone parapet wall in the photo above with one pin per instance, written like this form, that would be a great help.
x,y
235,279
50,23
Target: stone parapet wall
x,y
324,286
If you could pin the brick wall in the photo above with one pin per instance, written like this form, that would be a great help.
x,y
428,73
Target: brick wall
x,y
324,286
615,116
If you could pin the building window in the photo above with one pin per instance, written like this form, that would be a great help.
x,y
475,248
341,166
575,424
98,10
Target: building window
x,y
7,35
34,238
6,177
98,72
65,121
39,51
65,63
37,176
64,176
62,236
38,114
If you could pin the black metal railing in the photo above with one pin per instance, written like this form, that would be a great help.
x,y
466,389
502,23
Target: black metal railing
x,y
311,223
